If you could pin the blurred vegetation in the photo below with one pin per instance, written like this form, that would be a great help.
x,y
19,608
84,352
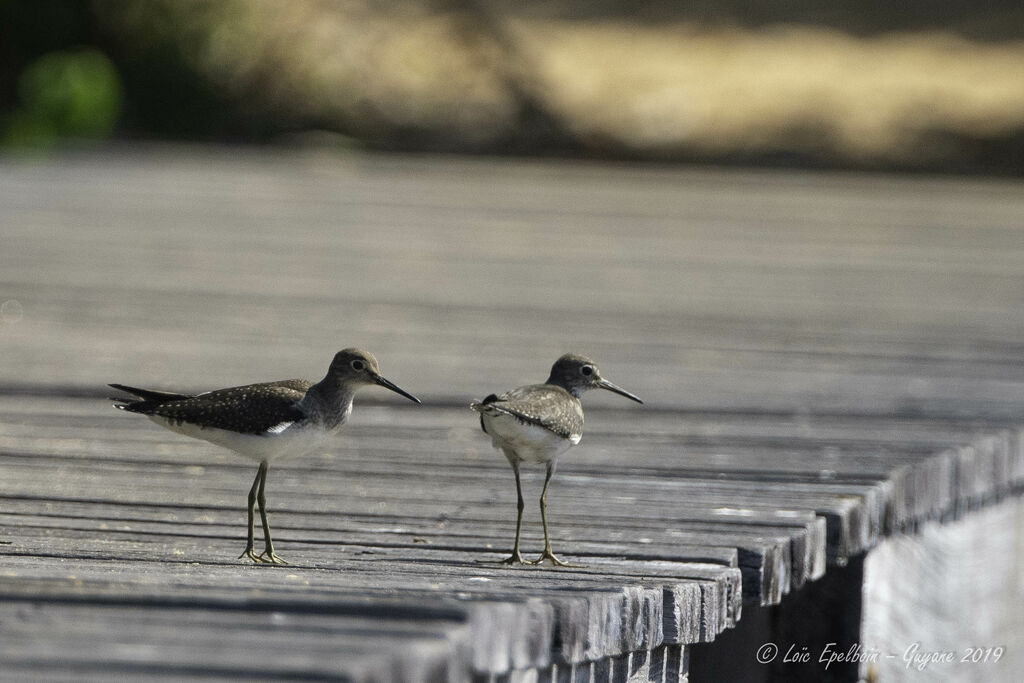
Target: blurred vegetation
x,y
917,84
51,94
73,94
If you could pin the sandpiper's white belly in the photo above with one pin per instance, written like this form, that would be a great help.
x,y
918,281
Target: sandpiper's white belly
x,y
530,443
295,441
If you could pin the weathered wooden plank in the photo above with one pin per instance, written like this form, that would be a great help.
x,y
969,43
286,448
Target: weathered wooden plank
x,y
118,639
565,478
494,585
767,557
849,536
852,307
826,360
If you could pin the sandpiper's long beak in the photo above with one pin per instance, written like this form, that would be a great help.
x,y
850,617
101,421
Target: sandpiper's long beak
x,y
388,384
605,384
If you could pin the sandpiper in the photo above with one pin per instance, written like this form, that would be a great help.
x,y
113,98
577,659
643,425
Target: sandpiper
x,y
264,422
539,422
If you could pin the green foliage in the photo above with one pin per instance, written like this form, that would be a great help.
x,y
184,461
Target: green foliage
x,y
68,94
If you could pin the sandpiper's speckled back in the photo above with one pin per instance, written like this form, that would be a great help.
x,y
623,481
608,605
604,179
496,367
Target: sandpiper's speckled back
x,y
544,405
249,409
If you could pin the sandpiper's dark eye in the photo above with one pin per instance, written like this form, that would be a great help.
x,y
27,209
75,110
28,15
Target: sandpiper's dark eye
x,y
587,370
358,365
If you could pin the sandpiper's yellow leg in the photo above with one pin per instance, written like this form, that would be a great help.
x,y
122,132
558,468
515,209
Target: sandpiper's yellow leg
x,y
248,552
548,552
515,557
268,555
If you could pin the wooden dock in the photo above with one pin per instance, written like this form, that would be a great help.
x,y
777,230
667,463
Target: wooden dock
x,y
827,360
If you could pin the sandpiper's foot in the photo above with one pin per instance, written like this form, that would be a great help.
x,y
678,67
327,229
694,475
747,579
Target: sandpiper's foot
x,y
268,556
555,562
515,558
252,556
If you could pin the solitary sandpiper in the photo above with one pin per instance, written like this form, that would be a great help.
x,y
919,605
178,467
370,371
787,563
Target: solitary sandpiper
x,y
268,421
539,422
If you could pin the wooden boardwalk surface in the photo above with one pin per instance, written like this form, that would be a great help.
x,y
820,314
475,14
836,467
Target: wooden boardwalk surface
x,y
826,360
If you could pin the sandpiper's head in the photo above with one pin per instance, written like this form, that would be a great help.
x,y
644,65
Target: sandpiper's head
x,y
359,367
576,374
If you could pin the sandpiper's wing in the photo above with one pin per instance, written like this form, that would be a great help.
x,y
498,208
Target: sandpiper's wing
x,y
544,405
146,394
267,408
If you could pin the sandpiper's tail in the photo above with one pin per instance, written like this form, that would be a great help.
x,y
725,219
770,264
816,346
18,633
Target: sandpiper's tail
x,y
480,406
150,398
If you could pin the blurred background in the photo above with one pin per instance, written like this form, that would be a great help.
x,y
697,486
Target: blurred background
x,y
916,85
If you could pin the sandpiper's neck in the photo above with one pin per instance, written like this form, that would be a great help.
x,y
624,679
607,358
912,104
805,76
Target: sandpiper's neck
x,y
575,390
330,401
